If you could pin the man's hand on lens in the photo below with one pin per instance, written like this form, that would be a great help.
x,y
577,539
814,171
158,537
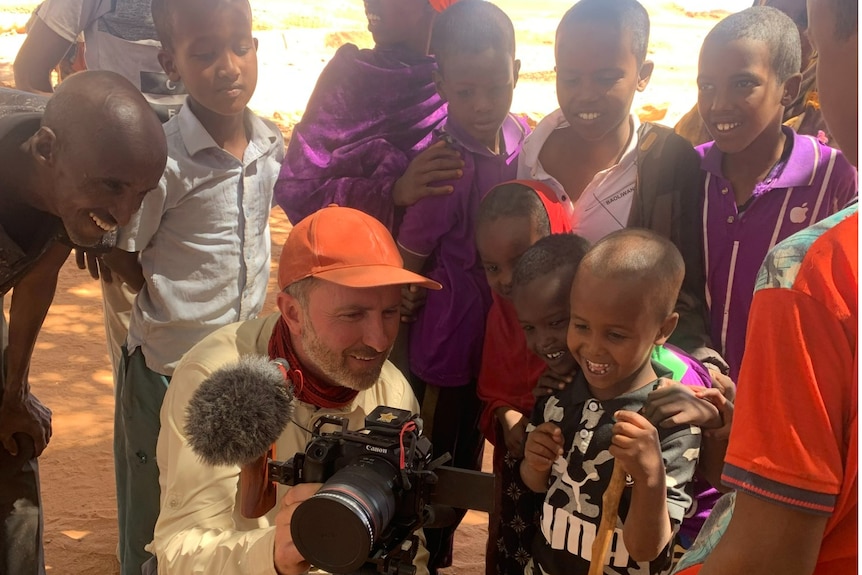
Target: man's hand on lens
x,y
287,559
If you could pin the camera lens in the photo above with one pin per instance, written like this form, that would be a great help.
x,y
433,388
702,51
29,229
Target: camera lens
x,y
336,529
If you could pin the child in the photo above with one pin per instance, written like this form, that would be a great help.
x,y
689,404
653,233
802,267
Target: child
x,y
612,171
622,301
762,181
803,113
474,43
203,236
370,113
511,218
540,293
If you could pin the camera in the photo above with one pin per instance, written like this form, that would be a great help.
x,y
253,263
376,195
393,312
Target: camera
x,y
380,484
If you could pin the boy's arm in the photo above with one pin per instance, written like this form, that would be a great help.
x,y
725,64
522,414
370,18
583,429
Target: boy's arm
x,y
21,412
41,51
412,299
764,537
647,528
681,167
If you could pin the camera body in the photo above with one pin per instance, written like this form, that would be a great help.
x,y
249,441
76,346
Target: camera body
x,y
378,485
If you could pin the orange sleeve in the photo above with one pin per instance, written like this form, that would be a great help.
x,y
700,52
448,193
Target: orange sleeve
x,y
786,443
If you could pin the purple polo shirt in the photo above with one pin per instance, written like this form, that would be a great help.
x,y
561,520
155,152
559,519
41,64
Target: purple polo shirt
x,y
810,183
446,338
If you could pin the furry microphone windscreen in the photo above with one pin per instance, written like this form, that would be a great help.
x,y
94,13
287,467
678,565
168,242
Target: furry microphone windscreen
x,y
238,412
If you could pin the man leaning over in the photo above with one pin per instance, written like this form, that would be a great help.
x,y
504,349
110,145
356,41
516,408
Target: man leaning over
x,y
340,277
72,168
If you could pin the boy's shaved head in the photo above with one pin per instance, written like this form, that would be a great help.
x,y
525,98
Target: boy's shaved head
x,y
555,253
625,15
164,10
471,26
642,258
514,200
770,26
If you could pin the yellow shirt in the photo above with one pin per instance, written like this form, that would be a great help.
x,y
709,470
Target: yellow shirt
x,y
200,529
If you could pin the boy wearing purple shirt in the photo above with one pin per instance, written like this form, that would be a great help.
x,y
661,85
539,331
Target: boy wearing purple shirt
x,y
474,43
762,181
371,112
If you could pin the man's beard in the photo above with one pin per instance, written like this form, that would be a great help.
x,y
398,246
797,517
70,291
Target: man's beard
x,y
334,366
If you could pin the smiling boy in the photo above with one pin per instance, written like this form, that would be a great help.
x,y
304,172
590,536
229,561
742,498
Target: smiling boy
x,y
622,301
762,181
611,171
203,237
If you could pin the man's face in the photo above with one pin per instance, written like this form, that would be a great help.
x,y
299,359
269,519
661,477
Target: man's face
x,y
347,333
100,186
837,76
214,55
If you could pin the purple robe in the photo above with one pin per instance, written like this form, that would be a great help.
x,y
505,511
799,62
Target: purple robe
x,y
370,113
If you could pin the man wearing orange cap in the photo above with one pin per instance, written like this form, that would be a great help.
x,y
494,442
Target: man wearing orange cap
x,y
340,276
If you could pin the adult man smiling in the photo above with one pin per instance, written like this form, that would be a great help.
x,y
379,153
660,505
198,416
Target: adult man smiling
x,y
340,277
73,169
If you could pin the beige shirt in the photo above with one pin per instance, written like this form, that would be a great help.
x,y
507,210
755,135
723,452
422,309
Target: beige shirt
x,y
200,528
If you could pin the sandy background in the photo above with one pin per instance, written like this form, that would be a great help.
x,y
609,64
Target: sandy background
x,y
70,370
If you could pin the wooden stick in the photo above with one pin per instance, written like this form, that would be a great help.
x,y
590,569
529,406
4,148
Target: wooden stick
x,y
608,523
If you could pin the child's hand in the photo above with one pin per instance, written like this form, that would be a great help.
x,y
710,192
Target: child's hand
x,y
636,446
544,445
725,409
673,403
549,383
412,300
724,384
436,164
89,261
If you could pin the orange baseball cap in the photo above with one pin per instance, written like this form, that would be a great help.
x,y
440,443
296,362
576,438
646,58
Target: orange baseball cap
x,y
346,247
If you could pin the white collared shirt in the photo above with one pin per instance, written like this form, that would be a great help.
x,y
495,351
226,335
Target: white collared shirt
x,y
604,205
203,238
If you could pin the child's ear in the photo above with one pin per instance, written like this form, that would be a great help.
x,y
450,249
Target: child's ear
x,y
790,90
42,146
437,77
291,311
516,69
255,44
166,59
667,327
645,74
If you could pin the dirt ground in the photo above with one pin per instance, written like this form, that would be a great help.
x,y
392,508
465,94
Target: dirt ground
x,y
71,371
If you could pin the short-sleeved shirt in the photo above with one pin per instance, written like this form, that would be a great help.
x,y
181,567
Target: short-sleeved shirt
x,y
801,375
811,183
573,504
120,38
446,339
204,238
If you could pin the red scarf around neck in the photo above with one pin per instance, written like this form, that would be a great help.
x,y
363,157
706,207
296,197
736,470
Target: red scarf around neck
x,y
306,386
